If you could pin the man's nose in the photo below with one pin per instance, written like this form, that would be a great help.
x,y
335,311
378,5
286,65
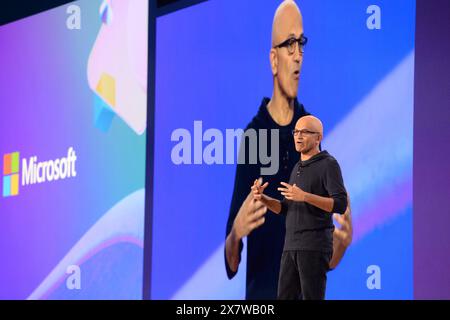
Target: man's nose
x,y
298,54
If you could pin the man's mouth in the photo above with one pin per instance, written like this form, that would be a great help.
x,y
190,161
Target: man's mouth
x,y
296,74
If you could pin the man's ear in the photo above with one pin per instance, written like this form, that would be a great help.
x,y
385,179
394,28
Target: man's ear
x,y
319,138
274,61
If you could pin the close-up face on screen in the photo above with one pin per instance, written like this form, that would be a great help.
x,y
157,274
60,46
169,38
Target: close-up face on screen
x,y
224,150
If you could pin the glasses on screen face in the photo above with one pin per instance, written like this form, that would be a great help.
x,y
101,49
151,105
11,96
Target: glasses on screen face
x,y
304,132
290,44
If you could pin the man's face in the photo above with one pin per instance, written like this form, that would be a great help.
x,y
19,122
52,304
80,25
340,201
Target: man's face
x,y
306,138
288,64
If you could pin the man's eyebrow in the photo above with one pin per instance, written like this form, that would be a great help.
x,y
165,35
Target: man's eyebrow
x,y
292,35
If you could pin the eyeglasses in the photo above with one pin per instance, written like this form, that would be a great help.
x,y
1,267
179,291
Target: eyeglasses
x,y
303,132
290,44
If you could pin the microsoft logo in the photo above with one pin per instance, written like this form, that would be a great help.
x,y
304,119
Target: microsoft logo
x,y
34,171
11,174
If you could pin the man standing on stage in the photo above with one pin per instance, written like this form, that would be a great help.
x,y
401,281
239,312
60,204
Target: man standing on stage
x,y
315,191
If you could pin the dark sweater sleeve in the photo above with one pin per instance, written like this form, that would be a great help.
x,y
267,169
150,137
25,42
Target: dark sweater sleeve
x,y
245,175
284,206
334,185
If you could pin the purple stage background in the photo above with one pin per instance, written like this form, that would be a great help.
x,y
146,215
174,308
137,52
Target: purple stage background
x,y
431,167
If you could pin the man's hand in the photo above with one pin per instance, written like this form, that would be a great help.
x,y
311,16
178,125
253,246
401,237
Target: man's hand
x,y
250,216
293,192
343,234
258,189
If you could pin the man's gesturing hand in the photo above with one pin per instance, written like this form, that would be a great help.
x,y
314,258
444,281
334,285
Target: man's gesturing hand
x,y
250,216
258,189
293,192
344,234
